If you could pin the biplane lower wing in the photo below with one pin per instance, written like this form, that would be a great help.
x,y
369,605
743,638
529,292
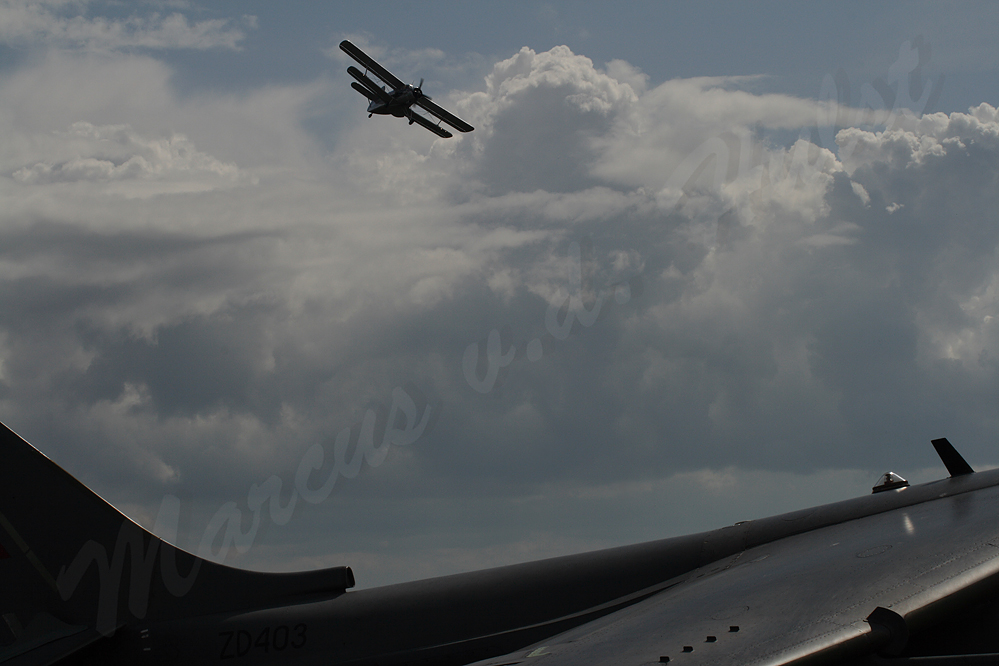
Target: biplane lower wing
x,y
373,88
436,129
364,91
448,117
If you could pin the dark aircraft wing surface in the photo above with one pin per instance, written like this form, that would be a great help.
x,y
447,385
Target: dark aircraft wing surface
x,y
436,129
448,117
371,89
904,573
371,65
812,596
363,90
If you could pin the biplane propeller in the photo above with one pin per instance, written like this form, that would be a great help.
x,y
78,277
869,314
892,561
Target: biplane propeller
x,y
395,98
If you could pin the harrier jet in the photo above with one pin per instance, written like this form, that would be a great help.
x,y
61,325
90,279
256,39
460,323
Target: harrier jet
x,y
892,578
398,98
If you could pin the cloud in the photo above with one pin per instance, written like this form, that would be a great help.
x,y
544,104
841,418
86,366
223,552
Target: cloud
x,y
25,22
117,153
537,116
553,121
607,285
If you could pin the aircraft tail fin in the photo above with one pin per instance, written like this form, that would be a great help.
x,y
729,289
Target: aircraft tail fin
x,y
46,516
73,568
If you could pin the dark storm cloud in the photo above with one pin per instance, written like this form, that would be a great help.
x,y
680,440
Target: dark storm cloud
x,y
192,367
69,243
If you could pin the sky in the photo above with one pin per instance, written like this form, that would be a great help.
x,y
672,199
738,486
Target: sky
x,y
697,263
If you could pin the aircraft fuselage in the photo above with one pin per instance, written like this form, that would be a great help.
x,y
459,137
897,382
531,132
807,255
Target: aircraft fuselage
x,y
402,99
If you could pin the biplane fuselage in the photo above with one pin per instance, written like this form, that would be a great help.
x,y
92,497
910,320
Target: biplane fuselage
x,y
399,106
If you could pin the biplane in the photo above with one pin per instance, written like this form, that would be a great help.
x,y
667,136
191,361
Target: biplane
x,y
396,98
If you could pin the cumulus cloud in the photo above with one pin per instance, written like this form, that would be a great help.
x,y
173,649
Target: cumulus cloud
x,y
734,234
554,121
117,153
607,284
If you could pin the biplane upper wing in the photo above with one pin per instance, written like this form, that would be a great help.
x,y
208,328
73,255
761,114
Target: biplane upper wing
x,y
448,117
369,63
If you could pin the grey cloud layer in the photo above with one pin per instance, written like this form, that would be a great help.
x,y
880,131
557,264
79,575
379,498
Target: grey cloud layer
x,y
33,22
237,297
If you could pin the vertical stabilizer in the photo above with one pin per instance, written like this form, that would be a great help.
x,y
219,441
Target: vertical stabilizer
x,y
952,460
73,568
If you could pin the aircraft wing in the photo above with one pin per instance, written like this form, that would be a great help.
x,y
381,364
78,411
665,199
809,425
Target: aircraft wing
x,y
830,595
364,91
367,87
901,577
448,117
369,63
436,129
